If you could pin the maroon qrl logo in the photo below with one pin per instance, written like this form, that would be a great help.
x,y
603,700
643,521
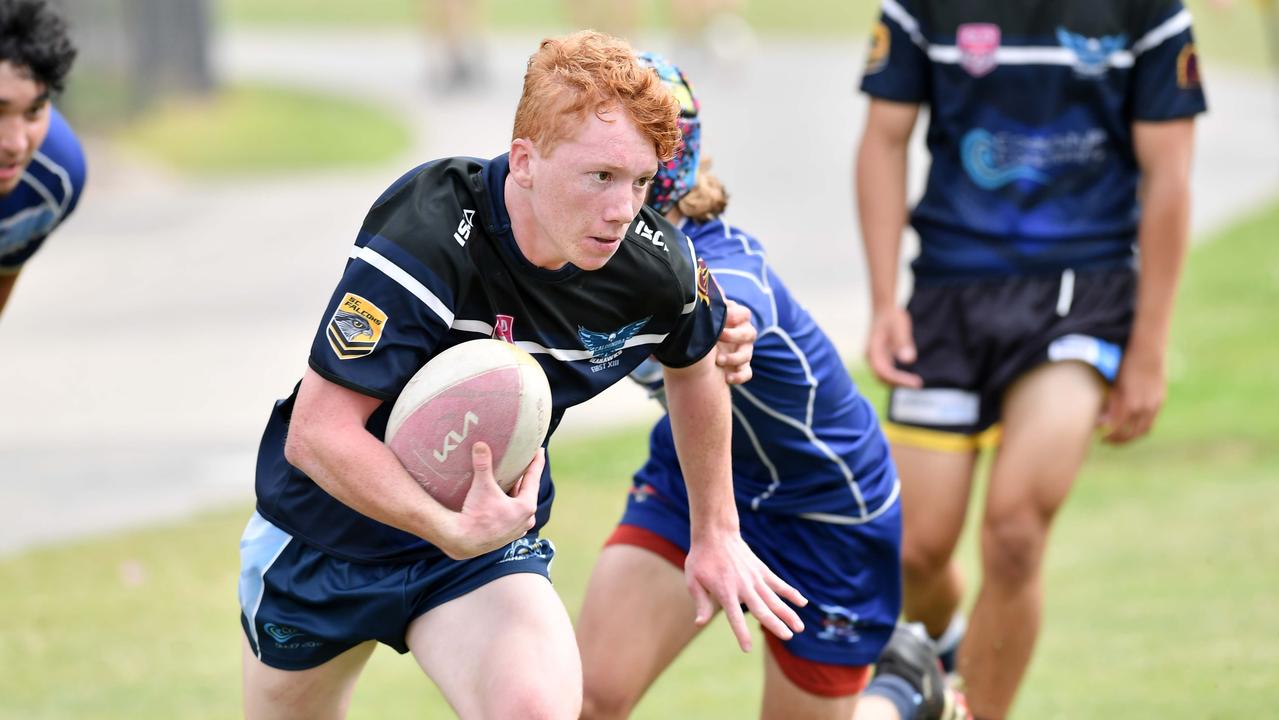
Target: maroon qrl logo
x,y
978,43
503,328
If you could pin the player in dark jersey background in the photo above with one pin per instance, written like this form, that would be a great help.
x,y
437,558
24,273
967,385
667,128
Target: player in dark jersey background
x,y
41,163
815,487
1060,136
541,247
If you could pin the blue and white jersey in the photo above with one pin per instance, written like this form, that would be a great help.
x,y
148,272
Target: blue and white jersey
x,y
805,441
47,193
435,264
1030,134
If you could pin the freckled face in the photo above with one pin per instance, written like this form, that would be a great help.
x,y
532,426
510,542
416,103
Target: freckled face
x,y
24,122
588,190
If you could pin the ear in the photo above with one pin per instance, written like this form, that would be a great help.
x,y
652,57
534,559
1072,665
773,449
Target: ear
x,y
522,160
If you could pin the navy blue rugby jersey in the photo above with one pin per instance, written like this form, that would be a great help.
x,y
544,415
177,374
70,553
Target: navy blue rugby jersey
x,y
1030,134
435,264
805,441
47,193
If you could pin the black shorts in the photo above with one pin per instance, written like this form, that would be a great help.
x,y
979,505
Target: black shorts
x,y
974,339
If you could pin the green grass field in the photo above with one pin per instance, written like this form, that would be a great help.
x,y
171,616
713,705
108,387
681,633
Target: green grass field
x,y
1160,575
1235,36
253,130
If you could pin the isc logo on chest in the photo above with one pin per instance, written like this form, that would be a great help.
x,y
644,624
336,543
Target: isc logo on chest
x,y
454,438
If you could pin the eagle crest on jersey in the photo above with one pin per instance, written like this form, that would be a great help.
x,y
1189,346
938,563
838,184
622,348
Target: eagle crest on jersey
x,y
355,328
606,346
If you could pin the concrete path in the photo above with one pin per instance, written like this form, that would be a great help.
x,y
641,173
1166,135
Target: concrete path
x,y
145,344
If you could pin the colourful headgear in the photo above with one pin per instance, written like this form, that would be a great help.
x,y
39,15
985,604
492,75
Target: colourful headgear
x,y
677,177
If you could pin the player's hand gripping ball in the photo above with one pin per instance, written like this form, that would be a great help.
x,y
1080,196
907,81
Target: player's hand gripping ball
x,y
485,390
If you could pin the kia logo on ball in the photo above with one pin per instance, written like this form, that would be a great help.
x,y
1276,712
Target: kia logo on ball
x,y
453,439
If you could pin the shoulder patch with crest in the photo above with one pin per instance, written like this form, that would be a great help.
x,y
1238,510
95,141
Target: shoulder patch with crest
x,y
704,280
881,44
1188,67
355,328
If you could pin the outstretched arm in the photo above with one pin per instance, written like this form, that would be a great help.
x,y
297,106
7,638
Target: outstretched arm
x,y
720,567
1164,151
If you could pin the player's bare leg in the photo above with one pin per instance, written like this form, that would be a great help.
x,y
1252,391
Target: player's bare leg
x,y
935,488
637,616
784,700
319,693
1048,420
502,650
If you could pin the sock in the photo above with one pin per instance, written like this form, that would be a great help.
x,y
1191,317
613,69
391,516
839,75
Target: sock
x,y
897,691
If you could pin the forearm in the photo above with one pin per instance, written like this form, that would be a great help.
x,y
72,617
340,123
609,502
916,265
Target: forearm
x,y
1162,239
363,474
701,422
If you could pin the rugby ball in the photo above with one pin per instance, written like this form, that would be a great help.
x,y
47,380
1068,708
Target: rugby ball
x,y
478,390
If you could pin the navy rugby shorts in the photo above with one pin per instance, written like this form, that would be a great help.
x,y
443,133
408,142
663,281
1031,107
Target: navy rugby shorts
x,y
300,607
974,339
850,574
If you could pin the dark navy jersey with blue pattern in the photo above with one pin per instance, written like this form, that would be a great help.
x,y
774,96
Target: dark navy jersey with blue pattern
x,y
1030,134
805,441
434,265
47,193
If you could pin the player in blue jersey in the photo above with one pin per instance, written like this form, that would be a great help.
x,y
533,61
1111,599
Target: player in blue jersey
x,y
1060,136
815,488
549,247
41,163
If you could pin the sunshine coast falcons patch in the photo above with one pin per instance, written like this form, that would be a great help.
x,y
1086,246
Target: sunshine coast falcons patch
x,y
355,328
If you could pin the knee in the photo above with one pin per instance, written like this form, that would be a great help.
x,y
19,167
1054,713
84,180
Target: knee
x,y
922,559
602,702
1012,549
533,702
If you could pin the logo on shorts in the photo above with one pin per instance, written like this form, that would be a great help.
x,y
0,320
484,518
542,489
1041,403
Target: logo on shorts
x,y
978,43
524,548
355,328
281,633
1092,55
840,624
642,492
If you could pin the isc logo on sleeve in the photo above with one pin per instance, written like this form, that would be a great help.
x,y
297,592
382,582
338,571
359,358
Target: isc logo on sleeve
x,y
355,328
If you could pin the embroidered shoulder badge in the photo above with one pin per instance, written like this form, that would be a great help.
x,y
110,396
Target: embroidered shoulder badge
x,y
355,328
881,43
1188,68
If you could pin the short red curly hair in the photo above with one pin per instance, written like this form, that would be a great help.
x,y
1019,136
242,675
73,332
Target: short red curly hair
x,y
589,71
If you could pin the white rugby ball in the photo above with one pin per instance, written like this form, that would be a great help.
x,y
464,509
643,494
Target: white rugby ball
x,y
478,390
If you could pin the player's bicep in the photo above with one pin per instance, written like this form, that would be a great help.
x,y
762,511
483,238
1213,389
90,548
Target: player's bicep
x,y
322,405
1164,149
